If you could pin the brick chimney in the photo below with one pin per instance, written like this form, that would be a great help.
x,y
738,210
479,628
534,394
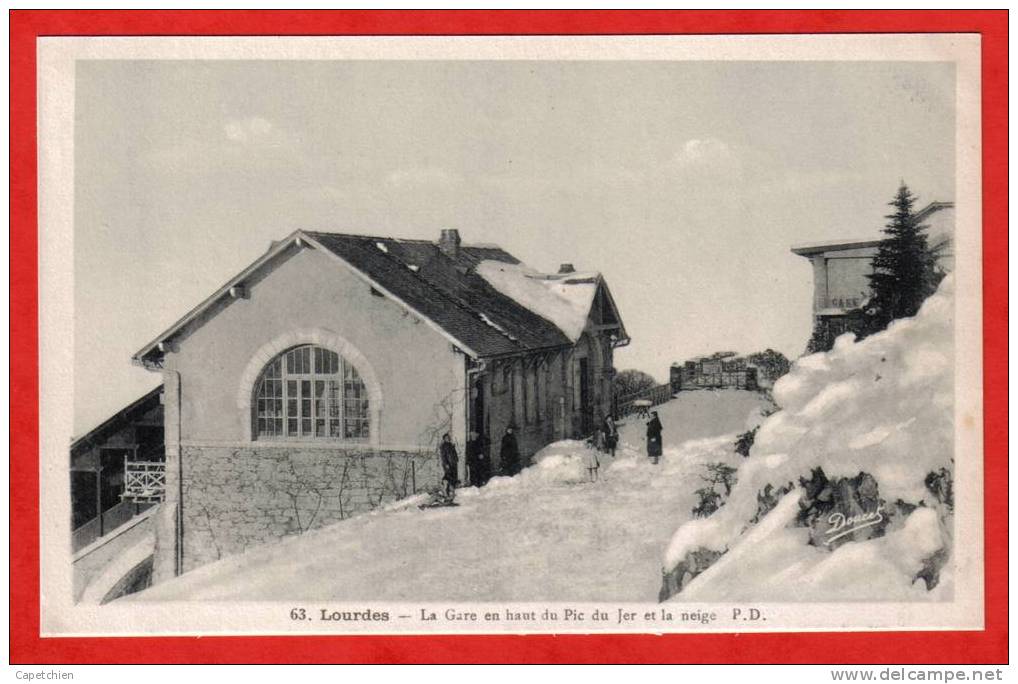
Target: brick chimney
x,y
449,242
566,268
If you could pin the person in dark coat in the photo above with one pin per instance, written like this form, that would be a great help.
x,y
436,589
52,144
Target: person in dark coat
x,y
478,461
509,454
654,438
450,465
611,434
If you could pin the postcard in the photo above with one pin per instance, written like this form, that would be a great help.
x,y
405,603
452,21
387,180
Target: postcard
x,y
510,334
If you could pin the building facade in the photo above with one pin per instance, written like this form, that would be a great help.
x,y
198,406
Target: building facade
x,y
317,383
723,371
841,287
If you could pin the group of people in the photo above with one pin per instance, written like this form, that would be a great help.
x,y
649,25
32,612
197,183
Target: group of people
x,y
479,469
605,440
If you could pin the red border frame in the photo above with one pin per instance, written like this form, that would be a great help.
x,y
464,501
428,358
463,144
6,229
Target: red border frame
x,y
987,646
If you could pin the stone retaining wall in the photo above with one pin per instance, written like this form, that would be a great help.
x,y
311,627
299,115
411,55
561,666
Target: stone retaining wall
x,y
234,498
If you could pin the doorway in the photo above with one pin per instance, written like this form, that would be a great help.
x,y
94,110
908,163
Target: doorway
x,y
586,409
477,405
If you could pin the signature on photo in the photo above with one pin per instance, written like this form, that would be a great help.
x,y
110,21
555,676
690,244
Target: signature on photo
x,y
842,525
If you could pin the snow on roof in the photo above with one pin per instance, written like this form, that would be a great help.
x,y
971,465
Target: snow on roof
x,y
564,300
496,326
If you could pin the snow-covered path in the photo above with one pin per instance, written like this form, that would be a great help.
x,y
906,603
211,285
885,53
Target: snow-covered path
x,y
546,534
699,414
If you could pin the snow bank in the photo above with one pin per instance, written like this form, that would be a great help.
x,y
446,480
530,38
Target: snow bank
x,y
565,462
882,406
563,300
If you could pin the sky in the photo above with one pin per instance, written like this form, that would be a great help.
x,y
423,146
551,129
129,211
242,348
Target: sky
x,y
683,183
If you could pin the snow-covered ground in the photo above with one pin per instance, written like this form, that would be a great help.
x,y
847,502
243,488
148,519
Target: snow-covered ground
x,y
699,414
547,534
882,406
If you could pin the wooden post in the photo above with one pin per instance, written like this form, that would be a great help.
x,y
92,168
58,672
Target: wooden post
x,y
99,493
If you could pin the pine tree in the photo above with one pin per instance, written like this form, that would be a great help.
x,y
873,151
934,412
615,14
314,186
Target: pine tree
x,y
905,270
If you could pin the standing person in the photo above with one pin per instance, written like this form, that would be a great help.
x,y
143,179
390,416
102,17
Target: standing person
x,y
611,434
592,461
654,438
510,453
478,461
450,466
471,474
484,448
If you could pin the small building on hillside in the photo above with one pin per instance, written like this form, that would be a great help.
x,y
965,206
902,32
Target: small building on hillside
x,y
317,382
724,370
841,287
108,465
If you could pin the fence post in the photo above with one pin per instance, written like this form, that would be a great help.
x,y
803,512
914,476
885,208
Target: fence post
x,y
413,474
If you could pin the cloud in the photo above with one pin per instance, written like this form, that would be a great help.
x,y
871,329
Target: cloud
x,y
230,147
418,176
706,152
251,129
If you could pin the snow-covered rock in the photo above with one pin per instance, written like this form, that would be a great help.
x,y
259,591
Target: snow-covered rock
x,y
861,456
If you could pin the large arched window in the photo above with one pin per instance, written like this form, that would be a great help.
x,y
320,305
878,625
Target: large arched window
x,y
309,392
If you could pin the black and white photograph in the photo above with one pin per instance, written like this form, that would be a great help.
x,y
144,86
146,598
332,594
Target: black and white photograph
x,y
511,335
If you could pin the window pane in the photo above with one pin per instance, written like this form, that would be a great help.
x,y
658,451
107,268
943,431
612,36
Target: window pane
x,y
265,407
355,406
334,399
308,391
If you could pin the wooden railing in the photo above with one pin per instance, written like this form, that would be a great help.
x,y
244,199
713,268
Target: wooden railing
x,y
144,481
637,402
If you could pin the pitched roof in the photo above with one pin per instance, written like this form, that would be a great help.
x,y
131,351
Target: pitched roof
x,y
446,292
132,411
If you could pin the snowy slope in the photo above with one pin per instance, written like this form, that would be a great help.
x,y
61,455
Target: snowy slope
x,y
882,406
698,415
547,534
